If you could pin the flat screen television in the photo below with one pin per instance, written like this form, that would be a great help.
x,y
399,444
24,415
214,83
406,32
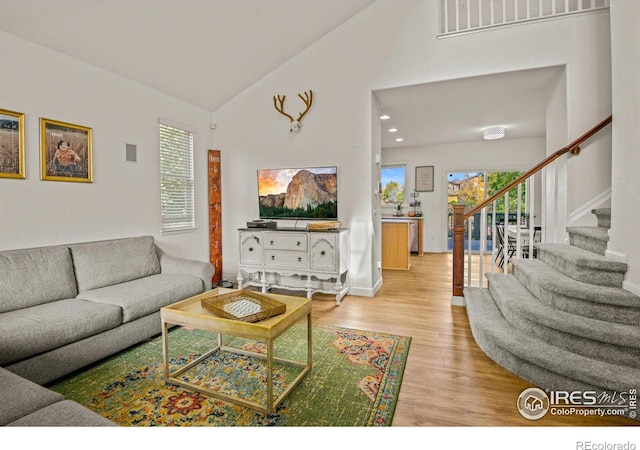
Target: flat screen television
x,y
305,193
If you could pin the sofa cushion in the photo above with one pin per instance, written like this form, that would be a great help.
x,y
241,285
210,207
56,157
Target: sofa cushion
x,y
144,296
103,263
30,331
35,276
20,397
66,413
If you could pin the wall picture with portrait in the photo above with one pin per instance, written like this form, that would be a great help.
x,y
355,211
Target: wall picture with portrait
x,y
66,151
11,144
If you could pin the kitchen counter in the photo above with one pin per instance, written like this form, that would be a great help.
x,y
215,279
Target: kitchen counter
x,y
419,224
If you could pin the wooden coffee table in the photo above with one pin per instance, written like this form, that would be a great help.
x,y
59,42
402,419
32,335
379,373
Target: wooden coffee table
x,y
189,313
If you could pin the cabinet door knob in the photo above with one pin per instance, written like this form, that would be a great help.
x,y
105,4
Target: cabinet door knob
x,y
299,259
298,244
271,242
273,257
323,253
250,249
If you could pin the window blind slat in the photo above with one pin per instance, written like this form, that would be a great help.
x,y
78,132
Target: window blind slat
x,y
176,178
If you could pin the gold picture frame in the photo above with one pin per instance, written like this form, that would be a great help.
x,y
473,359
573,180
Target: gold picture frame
x,y
66,152
11,144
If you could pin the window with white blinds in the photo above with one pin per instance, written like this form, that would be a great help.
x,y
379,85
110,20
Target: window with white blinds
x,y
176,178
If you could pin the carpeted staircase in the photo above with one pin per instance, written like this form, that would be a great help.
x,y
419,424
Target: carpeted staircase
x,y
562,321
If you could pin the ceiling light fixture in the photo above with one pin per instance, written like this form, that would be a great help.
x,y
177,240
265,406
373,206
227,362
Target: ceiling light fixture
x,y
385,117
399,140
393,130
493,133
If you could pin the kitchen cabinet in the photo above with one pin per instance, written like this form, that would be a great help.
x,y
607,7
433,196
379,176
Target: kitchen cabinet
x,y
396,250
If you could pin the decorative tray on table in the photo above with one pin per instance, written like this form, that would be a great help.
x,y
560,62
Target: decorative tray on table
x,y
244,305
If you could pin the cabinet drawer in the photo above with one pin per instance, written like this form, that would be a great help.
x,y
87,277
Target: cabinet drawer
x,y
285,241
250,249
285,258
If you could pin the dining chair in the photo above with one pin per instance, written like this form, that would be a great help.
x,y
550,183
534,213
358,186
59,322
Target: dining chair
x,y
500,248
536,238
512,246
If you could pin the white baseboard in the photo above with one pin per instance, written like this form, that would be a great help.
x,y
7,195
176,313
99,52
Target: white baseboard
x,y
631,287
622,257
366,292
585,210
363,292
377,286
616,256
457,301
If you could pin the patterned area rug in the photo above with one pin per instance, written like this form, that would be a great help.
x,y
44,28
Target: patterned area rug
x,y
355,381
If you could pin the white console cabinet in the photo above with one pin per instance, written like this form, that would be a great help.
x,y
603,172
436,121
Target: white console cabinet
x,y
295,259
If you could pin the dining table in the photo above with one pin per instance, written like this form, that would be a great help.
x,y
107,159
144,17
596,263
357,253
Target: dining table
x,y
525,234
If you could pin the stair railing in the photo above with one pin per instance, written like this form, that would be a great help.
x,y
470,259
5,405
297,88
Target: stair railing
x,y
463,16
464,220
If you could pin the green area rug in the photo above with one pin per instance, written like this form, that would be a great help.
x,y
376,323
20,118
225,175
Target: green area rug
x,y
355,381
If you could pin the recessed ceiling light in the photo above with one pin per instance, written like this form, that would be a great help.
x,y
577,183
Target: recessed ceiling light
x,y
385,117
399,140
393,130
493,133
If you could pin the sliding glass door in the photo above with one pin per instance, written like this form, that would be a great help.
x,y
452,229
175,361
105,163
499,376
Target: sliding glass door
x,y
471,189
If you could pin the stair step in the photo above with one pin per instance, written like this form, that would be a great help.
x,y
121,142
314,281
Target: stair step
x,y
582,265
604,217
542,364
605,341
562,292
593,239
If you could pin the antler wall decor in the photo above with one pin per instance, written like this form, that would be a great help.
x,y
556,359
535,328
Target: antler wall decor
x,y
295,123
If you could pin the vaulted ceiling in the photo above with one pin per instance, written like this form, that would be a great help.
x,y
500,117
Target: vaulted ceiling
x,y
204,52
207,52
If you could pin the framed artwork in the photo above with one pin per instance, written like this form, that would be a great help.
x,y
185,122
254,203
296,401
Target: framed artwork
x,y
424,178
11,144
66,153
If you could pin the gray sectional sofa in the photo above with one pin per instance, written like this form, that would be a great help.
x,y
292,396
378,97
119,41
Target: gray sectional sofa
x,y
66,306
25,403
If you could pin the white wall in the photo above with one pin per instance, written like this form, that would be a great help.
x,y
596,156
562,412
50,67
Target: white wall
x,y
589,102
376,150
625,188
561,176
554,199
390,44
521,154
123,200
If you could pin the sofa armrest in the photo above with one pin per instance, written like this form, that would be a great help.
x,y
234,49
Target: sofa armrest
x,y
182,266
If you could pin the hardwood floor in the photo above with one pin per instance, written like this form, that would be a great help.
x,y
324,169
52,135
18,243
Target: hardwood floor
x,y
449,380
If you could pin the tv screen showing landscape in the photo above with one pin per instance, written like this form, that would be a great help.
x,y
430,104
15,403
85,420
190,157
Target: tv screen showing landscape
x,y
307,193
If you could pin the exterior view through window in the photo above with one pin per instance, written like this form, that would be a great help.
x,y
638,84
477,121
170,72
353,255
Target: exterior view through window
x,y
471,189
393,186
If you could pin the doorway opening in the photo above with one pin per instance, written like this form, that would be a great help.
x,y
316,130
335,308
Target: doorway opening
x,y
471,189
